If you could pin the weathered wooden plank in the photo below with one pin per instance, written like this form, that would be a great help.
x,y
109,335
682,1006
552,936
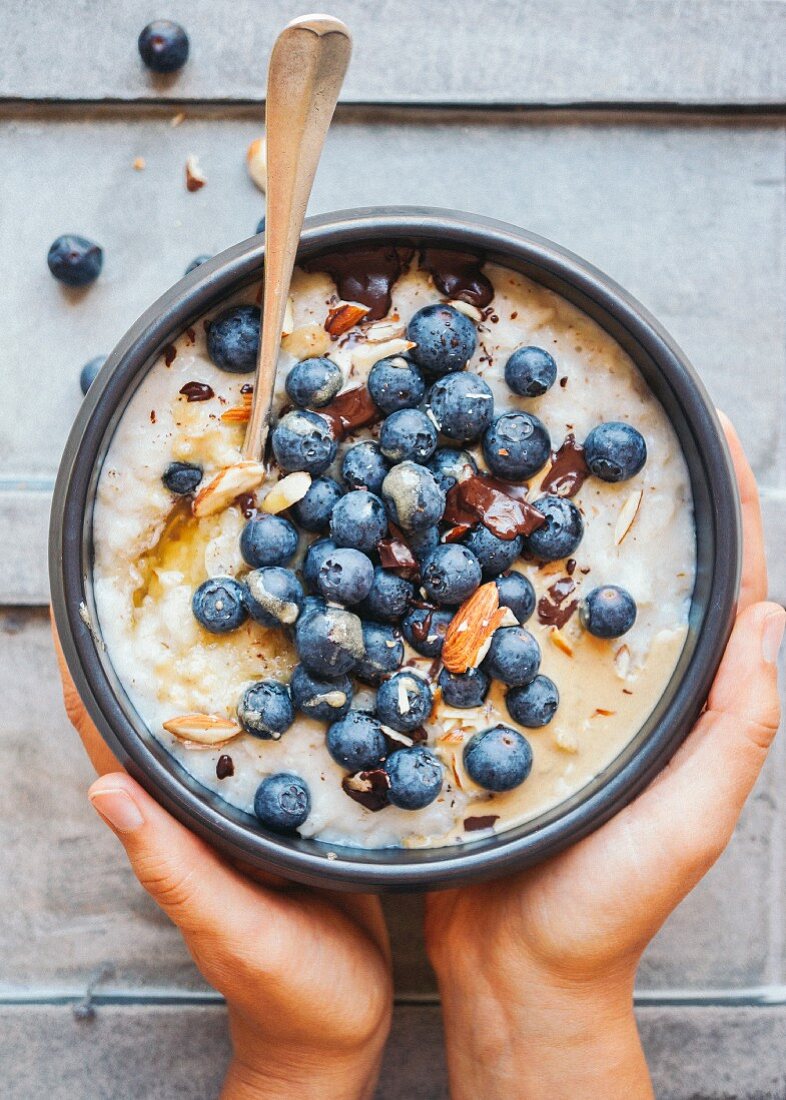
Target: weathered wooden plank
x,y
416,51
77,907
689,217
711,1052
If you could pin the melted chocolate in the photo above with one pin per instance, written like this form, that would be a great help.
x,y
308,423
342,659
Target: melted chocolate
x,y
170,351
225,767
482,821
394,554
247,388
197,391
421,628
364,275
370,788
552,608
458,275
350,410
246,504
568,470
481,498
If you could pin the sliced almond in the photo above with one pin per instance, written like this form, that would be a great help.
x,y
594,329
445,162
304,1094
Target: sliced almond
x,y
471,627
366,355
622,662
195,177
403,697
238,414
344,316
226,485
287,492
628,513
256,162
467,309
454,736
288,324
306,341
559,640
400,738
204,729
381,331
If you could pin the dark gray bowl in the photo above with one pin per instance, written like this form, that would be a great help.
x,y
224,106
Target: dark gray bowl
x,y
236,834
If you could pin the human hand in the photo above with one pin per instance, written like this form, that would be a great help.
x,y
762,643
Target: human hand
x,y
536,972
305,973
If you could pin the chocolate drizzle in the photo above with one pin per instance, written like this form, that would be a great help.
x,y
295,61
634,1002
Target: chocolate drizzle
x,y
197,391
568,470
370,788
364,274
486,500
552,608
350,410
458,275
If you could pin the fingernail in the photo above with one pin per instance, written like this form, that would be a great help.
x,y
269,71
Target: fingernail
x,y
118,809
772,635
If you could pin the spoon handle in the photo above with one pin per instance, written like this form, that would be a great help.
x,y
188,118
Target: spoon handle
x,y
305,75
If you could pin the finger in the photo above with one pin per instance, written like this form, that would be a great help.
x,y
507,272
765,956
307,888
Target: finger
x,y
753,586
102,759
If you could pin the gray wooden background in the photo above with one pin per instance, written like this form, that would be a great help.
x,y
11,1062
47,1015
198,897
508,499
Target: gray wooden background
x,y
648,137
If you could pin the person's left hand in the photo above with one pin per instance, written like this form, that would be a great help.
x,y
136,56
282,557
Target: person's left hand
x,y
305,973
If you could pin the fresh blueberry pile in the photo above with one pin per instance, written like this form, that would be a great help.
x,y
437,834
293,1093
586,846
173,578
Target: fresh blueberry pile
x,y
383,565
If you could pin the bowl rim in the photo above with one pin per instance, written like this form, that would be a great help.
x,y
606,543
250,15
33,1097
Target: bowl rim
x,y
363,869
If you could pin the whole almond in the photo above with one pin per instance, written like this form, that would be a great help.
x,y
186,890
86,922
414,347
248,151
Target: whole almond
x,y
471,628
342,317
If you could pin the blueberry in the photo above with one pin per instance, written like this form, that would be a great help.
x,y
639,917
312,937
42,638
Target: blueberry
x,y
513,656
395,383
498,759
364,466
384,652
233,339
494,554
274,596
268,540
345,575
356,742
312,603
450,574
445,339
260,225
408,434
329,642
415,777
265,710
449,465
534,704
89,371
615,451
302,441
325,700
608,611
516,446
163,46
530,371
313,511
197,262
282,802
314,382
219,604
359,520
560,534
413,499
462,405
425,630
182,477
394,711
464,689
389,596
75,260
314,556
422,542
516,592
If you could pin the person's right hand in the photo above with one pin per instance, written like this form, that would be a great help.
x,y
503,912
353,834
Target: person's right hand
x,y
536,971
305,973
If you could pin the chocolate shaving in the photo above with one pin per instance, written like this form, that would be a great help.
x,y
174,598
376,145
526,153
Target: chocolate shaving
x,y
350,410
485,499
370,788
170,351
482,821
458,275
364,275
552,609
197,391
225,767
394,554
568,470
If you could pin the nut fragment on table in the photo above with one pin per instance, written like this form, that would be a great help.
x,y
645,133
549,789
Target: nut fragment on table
x,y
195,177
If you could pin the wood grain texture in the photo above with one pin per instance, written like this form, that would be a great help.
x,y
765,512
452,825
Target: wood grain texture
x,y
418,51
